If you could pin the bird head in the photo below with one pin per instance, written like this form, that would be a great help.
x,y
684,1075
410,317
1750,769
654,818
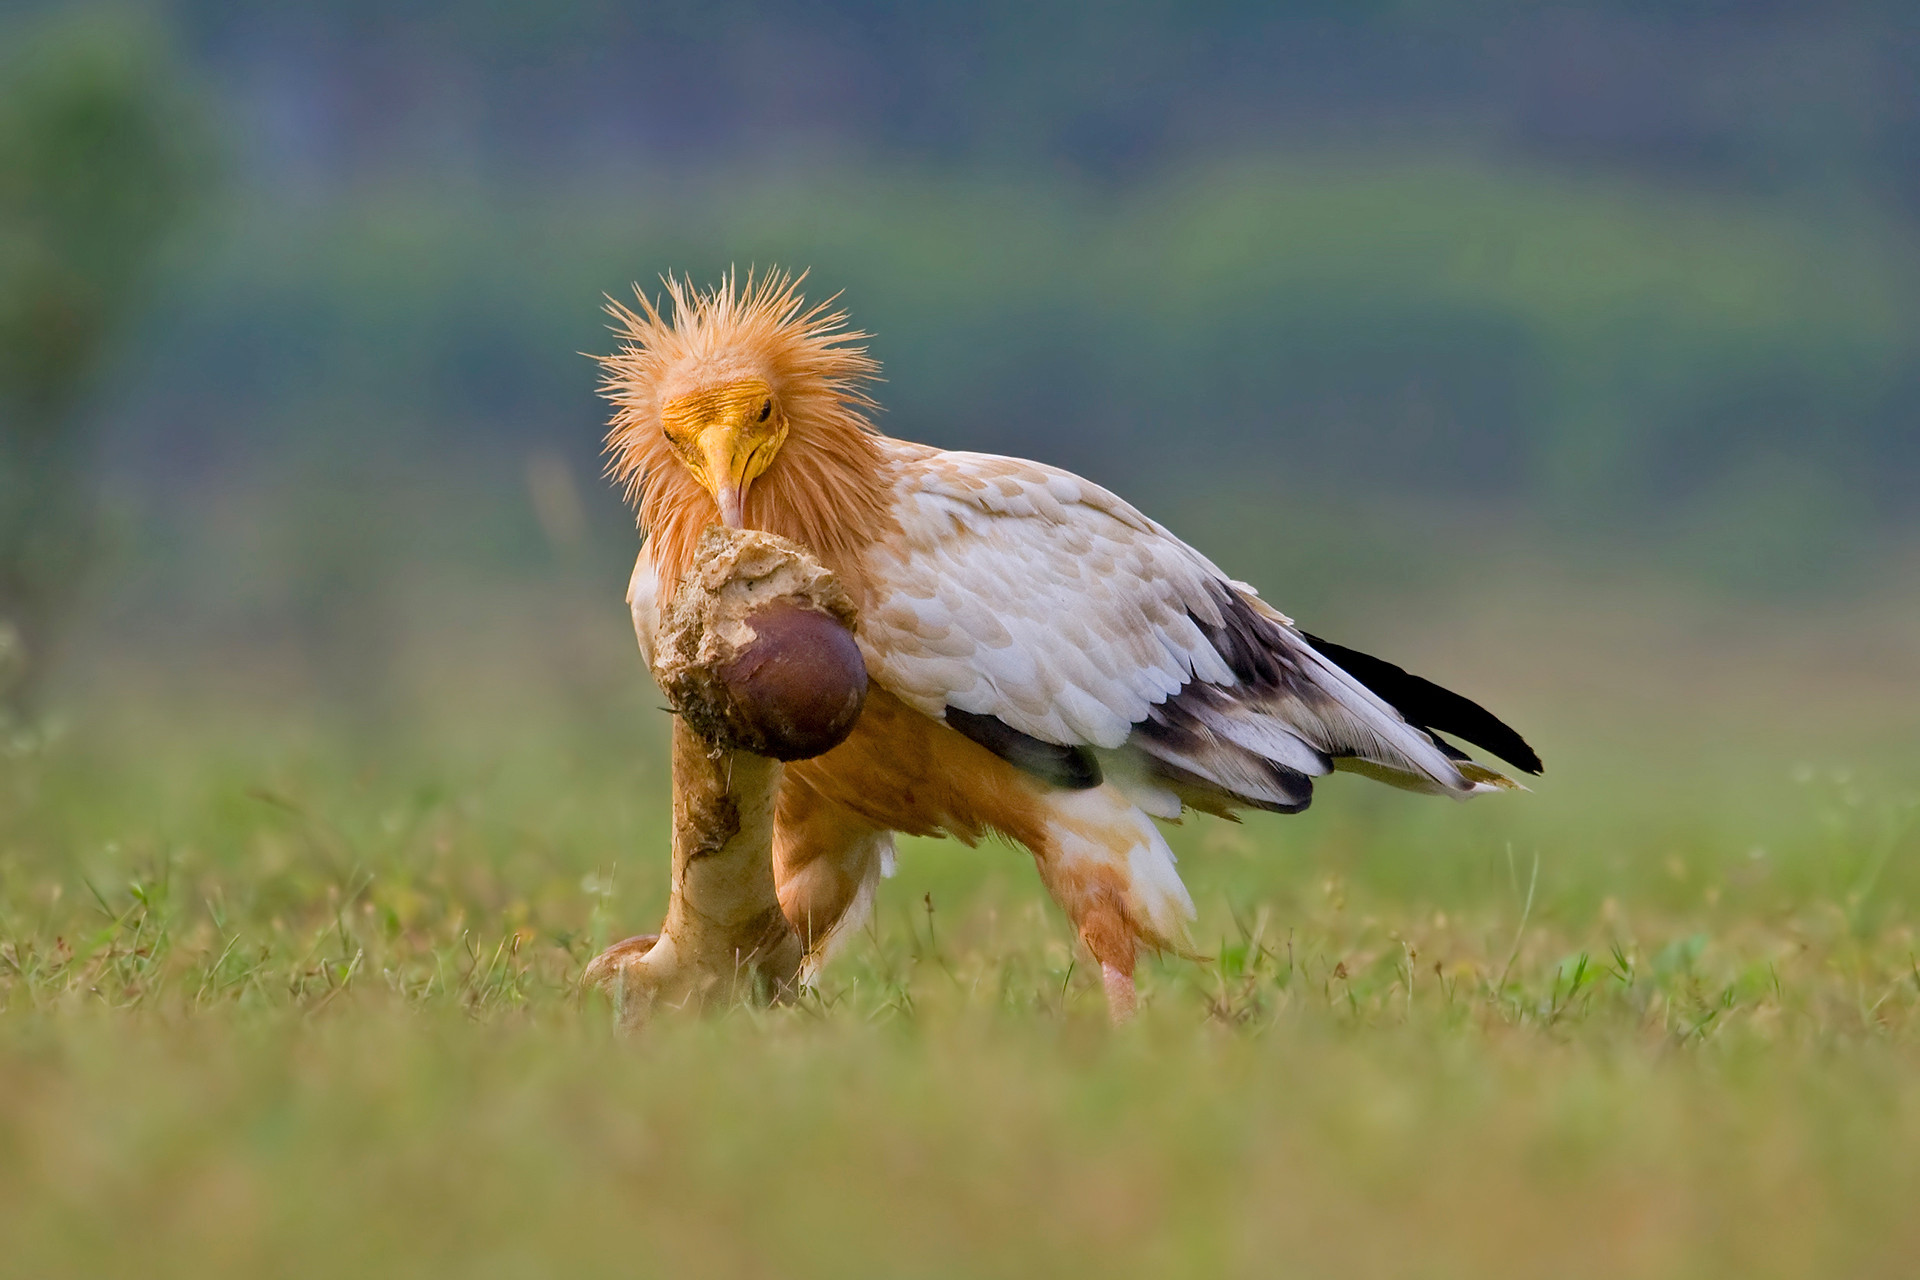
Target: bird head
x,y
743,390
727,435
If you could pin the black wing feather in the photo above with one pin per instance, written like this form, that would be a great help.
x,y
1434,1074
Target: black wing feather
x,y
1075,768
1431,707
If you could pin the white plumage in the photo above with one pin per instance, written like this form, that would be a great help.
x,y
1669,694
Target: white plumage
x,y
1025,593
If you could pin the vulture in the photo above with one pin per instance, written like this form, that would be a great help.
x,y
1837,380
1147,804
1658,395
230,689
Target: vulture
x,y
1046,663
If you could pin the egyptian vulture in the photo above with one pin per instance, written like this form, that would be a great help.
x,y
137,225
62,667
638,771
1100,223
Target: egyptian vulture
x,y
1046,662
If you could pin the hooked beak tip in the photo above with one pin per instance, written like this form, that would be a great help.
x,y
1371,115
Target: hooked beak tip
x,y
730,502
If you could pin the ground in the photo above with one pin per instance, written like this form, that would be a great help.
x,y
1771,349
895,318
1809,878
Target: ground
x,y
288,995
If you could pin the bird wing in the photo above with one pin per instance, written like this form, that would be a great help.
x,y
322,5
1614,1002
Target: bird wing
x,y
1050,621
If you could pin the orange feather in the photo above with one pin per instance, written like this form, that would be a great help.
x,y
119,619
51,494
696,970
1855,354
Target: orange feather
x,y
904,771
827,489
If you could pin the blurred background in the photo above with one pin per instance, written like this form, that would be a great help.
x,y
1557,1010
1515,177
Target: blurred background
x,y
1525,332
1567,354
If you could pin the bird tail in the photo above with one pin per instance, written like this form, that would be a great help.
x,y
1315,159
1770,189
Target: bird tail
x,y
1432,710
1302,707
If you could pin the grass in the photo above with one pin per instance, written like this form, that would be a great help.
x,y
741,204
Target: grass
x,y
279,997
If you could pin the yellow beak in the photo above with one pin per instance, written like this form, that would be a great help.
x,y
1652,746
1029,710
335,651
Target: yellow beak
x,y
726,435
727,456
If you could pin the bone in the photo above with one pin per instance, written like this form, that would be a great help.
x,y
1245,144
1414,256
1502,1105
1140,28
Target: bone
x,y
756,655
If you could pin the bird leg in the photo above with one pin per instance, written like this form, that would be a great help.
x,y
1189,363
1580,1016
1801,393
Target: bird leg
x,y
1122,1000
1111,941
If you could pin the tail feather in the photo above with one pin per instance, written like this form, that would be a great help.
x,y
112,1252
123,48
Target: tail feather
x,y
1430,707
1298,709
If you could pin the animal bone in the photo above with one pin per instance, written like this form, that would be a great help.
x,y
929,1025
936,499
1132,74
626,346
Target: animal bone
x,y
756,654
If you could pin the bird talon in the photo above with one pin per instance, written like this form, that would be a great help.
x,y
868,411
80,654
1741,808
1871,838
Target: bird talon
x,y
617,957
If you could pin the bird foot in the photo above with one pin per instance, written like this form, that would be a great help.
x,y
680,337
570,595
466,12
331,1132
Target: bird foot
x,y
611,964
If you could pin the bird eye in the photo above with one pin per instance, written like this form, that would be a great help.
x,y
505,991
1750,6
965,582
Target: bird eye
x,y
766,410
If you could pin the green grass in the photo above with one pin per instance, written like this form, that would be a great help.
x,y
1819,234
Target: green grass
x,y
283,998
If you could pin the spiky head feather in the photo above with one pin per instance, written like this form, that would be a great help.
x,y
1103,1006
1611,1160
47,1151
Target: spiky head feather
x,y
824,489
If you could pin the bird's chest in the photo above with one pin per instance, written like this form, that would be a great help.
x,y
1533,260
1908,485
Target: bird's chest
x,y
904,771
